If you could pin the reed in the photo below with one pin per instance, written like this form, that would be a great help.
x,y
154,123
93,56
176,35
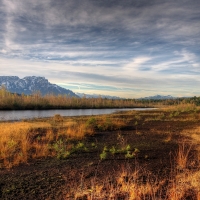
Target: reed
x,y
10,101
21,141
128,185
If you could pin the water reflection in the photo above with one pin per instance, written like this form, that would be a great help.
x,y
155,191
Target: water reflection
x,y
16,115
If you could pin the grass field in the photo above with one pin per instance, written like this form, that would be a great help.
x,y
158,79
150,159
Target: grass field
x,y
128,155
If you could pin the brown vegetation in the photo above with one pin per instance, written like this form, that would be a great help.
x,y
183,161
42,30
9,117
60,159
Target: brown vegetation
x,y
126,156
20,141
10,101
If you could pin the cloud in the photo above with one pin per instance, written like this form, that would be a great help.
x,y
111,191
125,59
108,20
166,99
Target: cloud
x,y
3,51
137,63
189,57
132,44
131,85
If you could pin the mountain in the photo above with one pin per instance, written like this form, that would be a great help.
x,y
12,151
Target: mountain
x,y
31,84
159,97
96,96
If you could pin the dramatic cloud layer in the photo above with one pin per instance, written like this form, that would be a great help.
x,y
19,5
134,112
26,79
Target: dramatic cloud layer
x,y
129,48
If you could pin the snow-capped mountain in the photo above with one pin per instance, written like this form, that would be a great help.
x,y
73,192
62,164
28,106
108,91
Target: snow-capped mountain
x,y
31,84
96,96
159,97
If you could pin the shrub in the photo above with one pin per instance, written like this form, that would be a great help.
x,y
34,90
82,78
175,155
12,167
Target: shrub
x,y
91,123
103,155
57,119
61,150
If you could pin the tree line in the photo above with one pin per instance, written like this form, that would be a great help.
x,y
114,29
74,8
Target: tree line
x,y
13,101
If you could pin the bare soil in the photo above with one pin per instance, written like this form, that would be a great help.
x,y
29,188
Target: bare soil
x,y
53,178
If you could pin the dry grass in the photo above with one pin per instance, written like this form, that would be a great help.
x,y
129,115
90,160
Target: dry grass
x,y
20,141
182,107
127,185
37,101
14,143
194,135
182,154
183,183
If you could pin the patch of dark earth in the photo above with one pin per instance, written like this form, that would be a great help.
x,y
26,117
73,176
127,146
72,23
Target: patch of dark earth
x,y
52,178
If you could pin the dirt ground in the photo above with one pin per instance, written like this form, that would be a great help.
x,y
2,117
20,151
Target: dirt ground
x,y
152,142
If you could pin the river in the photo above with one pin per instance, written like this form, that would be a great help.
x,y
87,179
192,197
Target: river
x,y
17,115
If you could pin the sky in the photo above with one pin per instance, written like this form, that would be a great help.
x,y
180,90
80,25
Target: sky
x,y
125,48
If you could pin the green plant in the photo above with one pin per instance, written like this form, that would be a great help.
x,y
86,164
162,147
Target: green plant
x,y
93,145
136,150
176,113
103,155
133,154
128,147
11,149
129,154
60,149
107,125
80,145
91,123
113,150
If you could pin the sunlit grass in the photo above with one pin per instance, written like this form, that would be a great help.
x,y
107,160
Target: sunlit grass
x,y
21,141
127,184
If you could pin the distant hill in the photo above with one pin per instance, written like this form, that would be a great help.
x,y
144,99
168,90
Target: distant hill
x,y
31,84
159,97
97,96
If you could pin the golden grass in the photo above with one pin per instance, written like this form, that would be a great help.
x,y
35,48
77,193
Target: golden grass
x,y
124,186
184,184
182,107
182,154
11,136
20,141
194,135
128,186
37,101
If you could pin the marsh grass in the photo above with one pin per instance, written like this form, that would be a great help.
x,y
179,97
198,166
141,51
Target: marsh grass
x,y
139,183
11,101
182,154
182,183
20,141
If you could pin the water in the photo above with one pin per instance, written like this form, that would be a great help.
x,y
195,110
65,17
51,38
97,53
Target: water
x,y
16,115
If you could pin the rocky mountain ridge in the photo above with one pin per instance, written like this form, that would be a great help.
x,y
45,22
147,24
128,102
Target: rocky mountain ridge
x,y
159,97
96,96
30,84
